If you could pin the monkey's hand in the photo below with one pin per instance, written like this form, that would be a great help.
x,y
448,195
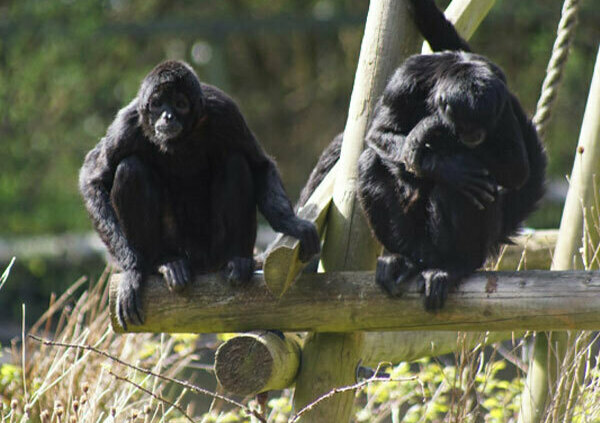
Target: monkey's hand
x,y
465,175
310,242
129,302
176,274
239,270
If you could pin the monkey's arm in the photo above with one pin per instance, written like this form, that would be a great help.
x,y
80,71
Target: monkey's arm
x,y
506,151
275,205
95,182
452,167
271,198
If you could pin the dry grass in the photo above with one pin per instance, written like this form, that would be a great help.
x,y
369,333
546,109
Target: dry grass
x,y
73,385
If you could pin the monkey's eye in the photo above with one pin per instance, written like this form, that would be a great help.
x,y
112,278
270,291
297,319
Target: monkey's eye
x,y
155,105
182,104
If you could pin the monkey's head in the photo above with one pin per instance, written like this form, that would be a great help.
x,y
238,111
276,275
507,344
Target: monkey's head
x,y
171,103
470,96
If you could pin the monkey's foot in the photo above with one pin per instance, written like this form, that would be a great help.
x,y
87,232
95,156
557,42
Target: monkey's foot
x,y
129,304
435,286
392,272
176,274
239,270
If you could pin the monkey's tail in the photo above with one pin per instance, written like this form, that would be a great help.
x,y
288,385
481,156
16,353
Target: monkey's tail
x,y
327,160
435,28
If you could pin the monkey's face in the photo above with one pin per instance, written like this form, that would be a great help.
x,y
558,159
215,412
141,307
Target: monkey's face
x,y
469,130
168,111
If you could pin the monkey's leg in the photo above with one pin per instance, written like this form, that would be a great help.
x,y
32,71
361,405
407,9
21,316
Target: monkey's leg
x,y
234,219
136,198
136,203
395,211
461,235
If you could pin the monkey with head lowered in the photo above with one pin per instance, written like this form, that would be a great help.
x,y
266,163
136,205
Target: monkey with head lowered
x,y
174,185
452,164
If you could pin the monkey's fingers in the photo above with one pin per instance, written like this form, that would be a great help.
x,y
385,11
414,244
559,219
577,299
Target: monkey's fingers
x,y
485,183
239,270
121,315
176,274
435,289
481,192
135,308
129,307
472,198
310,243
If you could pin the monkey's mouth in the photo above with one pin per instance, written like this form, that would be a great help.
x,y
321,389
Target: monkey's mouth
x,y
167,131
472,139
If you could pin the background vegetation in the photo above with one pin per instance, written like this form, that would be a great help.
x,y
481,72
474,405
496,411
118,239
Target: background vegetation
x,y
67,66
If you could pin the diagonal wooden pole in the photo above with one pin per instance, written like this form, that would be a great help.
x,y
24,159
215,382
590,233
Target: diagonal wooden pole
x,y
329,360
574,238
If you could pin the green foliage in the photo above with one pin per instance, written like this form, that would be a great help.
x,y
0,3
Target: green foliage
x,y
66,67
432,392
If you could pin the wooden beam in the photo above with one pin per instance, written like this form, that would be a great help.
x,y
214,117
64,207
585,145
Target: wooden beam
x,y
395,347
530,251
252,363
352,301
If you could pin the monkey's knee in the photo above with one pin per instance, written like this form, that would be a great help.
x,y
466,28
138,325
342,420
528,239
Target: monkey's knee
x,y
136,200
133,182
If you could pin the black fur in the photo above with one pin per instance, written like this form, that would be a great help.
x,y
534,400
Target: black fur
x,y
173,187
452,165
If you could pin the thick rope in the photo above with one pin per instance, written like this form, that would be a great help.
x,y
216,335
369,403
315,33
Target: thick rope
x,y
560,51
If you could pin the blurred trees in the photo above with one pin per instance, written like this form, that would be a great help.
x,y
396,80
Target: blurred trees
x,y
67,66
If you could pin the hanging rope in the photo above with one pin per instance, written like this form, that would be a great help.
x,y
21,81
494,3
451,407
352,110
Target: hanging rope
x,y
556,65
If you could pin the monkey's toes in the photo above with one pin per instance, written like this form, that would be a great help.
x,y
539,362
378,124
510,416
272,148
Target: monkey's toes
x,y
392,272
435,288
239,270
177,274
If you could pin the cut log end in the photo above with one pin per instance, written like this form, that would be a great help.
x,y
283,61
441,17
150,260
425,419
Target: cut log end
x,y
257,362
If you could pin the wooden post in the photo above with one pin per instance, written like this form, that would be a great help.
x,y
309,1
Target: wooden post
x,y
574,237
329,360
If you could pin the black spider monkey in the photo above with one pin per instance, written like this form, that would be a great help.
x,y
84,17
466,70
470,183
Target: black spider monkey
x,y
452,165
173,187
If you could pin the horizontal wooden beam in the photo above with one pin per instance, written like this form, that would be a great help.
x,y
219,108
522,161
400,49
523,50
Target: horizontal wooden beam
x,y
262,361
532,250
352,301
